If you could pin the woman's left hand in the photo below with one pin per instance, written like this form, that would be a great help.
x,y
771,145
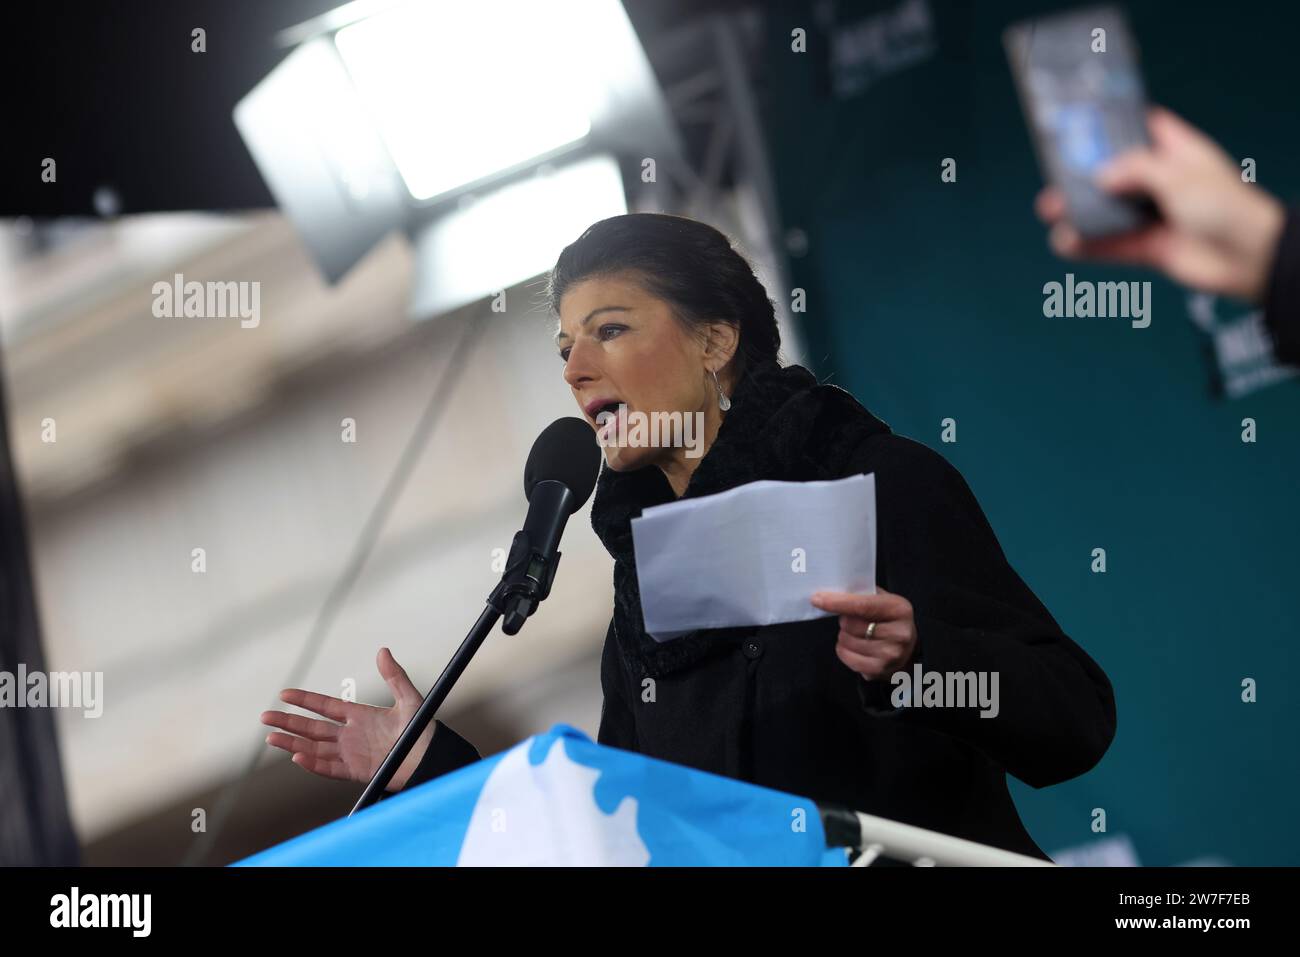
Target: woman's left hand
x,y
893,637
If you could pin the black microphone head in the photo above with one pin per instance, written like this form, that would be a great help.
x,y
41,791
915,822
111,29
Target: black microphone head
x,y
566,452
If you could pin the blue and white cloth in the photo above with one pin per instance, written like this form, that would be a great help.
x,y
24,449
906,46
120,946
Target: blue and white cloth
x,y
559,798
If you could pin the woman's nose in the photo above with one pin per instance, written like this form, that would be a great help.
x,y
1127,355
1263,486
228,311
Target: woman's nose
x,y
580,366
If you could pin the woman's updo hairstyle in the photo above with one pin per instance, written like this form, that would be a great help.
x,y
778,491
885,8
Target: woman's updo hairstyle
x,y
688,264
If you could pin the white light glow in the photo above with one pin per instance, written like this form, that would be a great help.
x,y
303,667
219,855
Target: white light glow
x,y
511,234
460,91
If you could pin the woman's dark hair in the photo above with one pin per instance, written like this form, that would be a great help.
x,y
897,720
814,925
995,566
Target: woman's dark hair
x,y
688,264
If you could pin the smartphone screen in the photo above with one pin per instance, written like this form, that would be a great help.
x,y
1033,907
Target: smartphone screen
x,y
1082,93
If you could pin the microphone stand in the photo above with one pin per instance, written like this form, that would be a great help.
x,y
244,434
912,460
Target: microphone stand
x,y
526,582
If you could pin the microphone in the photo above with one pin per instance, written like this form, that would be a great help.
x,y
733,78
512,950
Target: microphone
x,y
558,479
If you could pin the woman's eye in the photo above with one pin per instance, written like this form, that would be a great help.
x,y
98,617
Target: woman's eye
x,y
608,331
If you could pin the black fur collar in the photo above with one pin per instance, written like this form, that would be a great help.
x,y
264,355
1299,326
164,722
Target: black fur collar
x,y
782,425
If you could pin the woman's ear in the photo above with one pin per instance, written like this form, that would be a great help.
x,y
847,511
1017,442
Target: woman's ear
x,y
721,344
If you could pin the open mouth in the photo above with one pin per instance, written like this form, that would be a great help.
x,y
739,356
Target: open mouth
x,y
605,420
609,411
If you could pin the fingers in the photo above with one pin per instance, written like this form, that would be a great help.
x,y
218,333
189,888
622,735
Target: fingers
x,y
853,630
1143,247
287,742
1126,174
1148,170
1065,241
1049,204
336,709
878,607
892,635
886,644
326,767
1136,171
300,725
865,665
1169,131
867,649
394,675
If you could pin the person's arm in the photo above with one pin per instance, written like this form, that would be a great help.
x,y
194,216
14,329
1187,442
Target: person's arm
x,y
973,613
617,723
447,751
1282,294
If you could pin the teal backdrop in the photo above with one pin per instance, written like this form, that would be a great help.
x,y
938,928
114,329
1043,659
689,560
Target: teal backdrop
x,y
925,300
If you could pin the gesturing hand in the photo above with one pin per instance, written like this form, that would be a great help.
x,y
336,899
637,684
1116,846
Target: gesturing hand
x,y
877,632
352,744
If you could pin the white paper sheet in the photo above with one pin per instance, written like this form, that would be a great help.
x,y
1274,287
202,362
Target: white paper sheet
x,y
754,555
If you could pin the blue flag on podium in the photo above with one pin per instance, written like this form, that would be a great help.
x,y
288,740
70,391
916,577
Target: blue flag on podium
x,y
559,798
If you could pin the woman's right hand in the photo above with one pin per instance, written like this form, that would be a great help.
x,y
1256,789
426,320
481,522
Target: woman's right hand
x,y
355,740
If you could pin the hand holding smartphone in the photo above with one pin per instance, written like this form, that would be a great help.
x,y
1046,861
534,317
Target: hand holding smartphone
x,y
1081,90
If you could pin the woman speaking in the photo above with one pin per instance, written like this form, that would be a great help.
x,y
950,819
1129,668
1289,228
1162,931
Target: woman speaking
x,y
658,313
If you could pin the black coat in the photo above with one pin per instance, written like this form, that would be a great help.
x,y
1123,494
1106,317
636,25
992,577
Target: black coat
x,y
1282,292
774,705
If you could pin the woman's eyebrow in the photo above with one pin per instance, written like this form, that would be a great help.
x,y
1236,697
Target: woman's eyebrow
x,y
591,315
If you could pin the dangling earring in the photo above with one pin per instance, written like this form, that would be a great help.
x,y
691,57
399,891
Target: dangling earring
x,y
723,402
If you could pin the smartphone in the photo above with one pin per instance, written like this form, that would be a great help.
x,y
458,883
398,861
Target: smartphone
x,y
1081,90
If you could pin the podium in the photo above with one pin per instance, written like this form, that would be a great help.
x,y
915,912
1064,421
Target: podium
x,y
559,798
